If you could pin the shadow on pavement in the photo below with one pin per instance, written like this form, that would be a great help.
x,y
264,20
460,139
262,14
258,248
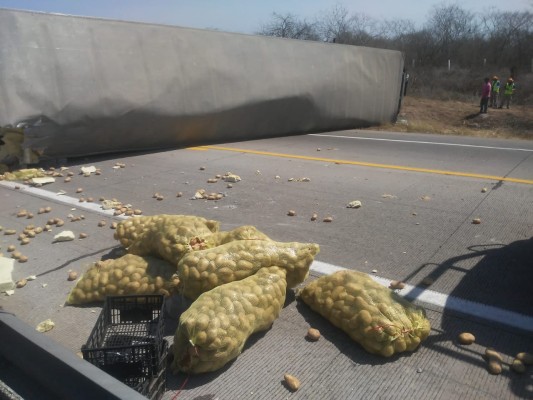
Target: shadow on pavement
x,y
502,279
342,341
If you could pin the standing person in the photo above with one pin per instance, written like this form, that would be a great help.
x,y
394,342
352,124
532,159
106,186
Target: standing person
x,y
508,92
495,95
485,96
406,76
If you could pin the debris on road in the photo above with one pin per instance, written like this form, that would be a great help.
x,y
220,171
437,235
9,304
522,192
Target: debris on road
x,y
476,221
230,177
64,236
304,179
354,204
86,171
45,326
42,181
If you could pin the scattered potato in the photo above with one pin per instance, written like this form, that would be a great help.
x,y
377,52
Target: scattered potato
x,y
102,223
328,219
21,283
72,276
292,382
428,281
494,361
526,358
396,285
291,213
476,221
518,366
313,334
466,338
22,259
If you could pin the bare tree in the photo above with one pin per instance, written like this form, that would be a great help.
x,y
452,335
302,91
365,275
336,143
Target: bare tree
x,y
451,27
509,36
288,26
335,25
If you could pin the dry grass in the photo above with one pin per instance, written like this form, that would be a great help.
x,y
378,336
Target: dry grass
x,y
453,117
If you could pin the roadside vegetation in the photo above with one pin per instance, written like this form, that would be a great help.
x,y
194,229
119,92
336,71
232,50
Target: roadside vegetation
x,y
446,58
461,117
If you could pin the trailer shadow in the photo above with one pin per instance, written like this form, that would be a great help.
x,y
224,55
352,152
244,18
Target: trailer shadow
x,y
499,280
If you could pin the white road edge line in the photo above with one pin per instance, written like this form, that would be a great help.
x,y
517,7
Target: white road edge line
x,y
420,142
444,301
60,198
483,311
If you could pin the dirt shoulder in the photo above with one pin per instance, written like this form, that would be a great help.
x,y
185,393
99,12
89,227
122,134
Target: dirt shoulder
x,y
462,118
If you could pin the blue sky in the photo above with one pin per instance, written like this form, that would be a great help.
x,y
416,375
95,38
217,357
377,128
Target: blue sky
x,y
247,16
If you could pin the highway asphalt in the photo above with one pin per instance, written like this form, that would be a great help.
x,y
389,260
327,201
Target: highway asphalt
x,y
420,195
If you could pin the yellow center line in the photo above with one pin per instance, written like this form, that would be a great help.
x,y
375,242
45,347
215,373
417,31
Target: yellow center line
x,y
197,148
367,164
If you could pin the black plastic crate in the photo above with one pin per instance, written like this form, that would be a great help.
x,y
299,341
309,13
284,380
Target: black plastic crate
x,y
154,388
127,339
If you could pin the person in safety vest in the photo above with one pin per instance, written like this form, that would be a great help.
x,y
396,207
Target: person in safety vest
x,y
485,96
508,92
495,95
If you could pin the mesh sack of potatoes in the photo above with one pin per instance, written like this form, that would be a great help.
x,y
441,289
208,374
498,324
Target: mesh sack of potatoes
x,y
165,236
216,326
246,232
127,275
380,320
203,270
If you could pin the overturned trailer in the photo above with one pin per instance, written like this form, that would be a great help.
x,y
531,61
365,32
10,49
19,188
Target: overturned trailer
x,y
74,86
